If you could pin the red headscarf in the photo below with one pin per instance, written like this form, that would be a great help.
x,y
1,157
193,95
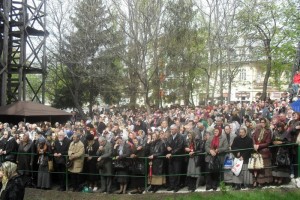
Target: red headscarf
x,y
215,141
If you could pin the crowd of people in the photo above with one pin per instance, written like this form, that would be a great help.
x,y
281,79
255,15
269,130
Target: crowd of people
x,y
121,151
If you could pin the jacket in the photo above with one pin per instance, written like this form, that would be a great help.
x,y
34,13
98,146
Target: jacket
x,y
105,155
77,151
263,148
63,149
223,146
157,149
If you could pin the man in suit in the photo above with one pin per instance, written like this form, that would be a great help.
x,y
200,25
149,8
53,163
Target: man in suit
x,y
105,152
61,147
175,147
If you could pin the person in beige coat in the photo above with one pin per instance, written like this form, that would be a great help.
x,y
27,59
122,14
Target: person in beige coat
x,y
76,156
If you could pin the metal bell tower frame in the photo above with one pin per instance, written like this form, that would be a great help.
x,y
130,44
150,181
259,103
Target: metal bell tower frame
x,y
22,49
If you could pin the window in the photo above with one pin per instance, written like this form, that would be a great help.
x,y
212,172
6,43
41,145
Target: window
x,y
242,74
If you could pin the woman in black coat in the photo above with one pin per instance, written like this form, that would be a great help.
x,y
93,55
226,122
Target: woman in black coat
x,y
9,145
138,166
121,152
13,187
156,149
90,167
242,149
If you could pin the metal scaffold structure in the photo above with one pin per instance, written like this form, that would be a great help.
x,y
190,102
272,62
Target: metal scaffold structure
x,y
22,49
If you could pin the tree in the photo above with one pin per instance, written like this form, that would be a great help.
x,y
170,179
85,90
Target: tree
x,y
183,44
264,22
87,66
141,24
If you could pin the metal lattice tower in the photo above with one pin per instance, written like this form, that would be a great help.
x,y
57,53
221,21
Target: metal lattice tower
x,y
22,49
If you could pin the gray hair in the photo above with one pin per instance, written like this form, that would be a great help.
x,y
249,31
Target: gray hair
x,y
101,139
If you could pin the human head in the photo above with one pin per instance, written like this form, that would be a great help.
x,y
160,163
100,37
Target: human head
x,y
76,137
243,132
174,129
8,170
227,129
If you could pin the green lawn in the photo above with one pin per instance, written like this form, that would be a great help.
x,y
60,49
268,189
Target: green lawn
x,y
266,194
270,194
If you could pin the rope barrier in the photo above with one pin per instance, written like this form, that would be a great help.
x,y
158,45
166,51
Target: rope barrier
x,y
146,162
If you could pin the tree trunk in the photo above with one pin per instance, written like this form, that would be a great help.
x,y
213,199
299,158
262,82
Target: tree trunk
x,y
267,43
296,64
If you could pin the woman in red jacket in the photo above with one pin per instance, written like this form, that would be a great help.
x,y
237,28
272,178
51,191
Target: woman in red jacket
x,y
262,138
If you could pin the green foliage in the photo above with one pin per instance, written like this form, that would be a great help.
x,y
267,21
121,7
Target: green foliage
x,y
89,65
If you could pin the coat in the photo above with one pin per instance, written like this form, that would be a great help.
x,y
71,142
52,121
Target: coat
x,y
124,157
77,151
15,189
105,155
10,146
157,149
25,157
62,149
242,143
177,146
223,146
263,148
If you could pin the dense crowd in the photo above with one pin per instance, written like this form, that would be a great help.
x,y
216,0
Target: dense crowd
x,y
118,150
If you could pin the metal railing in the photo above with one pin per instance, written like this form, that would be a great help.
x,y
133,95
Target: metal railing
x,y
146,162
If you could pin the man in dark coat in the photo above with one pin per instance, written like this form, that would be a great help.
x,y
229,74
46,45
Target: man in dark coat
x,y
175,147
61,147
105,152
25,155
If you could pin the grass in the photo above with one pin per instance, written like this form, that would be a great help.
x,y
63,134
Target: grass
x,y
273,194
266,194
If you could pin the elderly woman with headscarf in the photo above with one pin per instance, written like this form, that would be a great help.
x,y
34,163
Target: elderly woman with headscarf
x,y
9,145
156,149
215,148
262,138
13,187
121,152
43,151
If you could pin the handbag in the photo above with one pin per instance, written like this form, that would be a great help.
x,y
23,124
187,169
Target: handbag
x,y
9,157
69,163
117,164
228,161
282,158
138,168
50,165
237,167
214,164
256,161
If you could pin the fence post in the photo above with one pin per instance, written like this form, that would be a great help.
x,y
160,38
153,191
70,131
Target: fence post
x,y
298,160
66,175
146,173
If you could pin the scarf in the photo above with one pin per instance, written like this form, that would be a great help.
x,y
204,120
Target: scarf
x,y
261,135
215,142
9,171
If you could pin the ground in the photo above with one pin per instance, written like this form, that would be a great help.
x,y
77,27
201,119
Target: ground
x,y
288,192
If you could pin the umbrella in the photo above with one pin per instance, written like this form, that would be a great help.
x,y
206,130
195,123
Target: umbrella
x,y
296,106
